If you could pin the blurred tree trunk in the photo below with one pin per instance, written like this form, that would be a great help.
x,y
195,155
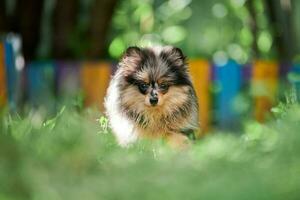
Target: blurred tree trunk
x,y
279,15
253,26
101,15
3,18
64,21
27,21
295,21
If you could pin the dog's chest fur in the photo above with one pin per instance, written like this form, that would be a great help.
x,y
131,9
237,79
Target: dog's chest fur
x,y
156,124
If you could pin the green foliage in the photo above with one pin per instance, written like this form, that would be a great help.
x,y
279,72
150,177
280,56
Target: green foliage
x,y
71,156
291,100
202,28
150,22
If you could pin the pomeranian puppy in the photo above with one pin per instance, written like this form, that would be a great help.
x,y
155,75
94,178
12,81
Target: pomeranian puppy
x,y
151,95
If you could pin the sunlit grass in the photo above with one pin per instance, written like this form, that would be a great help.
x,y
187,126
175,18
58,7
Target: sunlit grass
x,y
74,156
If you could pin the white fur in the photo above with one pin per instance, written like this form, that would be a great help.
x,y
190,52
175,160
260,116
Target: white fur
x,y
157,49
122,128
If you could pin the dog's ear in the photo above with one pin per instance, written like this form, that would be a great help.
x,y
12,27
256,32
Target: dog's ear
x,y
131,59
132,51
177,52
176,56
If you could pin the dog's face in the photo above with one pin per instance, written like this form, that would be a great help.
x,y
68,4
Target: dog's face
x,y
154,78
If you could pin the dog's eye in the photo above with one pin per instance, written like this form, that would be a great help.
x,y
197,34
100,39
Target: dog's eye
x,y
143,86
163,86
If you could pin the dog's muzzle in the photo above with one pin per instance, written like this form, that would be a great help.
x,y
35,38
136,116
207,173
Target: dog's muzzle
x,y
153,98
153,101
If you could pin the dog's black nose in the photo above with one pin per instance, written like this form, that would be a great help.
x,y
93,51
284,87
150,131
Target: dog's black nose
x,y
153,101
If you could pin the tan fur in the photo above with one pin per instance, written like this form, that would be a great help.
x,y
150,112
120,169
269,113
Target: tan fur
x,y
129,108
178,141
157,125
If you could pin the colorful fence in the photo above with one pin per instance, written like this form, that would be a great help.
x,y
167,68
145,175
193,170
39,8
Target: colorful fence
x,y
3,92
11,65
219,87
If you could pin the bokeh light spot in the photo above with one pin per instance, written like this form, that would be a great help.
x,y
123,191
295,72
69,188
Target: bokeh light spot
x,y
219,10
264,41
116,47
220,58
174,34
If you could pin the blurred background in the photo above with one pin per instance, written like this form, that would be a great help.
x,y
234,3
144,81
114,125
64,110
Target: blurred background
x,y
101,29
244,54
56,60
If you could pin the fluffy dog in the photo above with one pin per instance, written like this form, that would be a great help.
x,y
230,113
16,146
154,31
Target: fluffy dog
x,y
151,95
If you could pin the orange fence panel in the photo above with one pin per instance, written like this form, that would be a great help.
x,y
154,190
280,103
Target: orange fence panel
x,y
264,87
95,78
201,76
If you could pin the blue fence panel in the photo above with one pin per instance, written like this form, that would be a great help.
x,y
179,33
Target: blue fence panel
x,y
228,78
11,74
294,78
40,84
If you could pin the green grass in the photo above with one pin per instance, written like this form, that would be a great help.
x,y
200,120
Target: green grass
x,y
71,156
